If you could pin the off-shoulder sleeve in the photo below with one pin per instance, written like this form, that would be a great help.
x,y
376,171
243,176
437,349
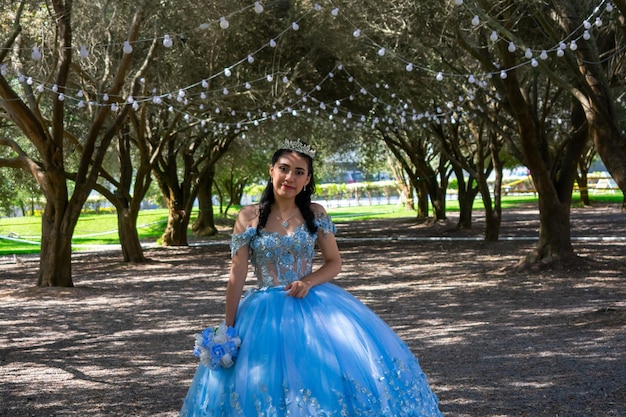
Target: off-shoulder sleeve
x,y
325,224
240,240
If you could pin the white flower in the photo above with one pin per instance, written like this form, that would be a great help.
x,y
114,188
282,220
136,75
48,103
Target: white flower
x,y
227,361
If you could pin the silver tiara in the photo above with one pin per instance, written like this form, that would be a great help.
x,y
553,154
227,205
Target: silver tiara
x,y
296,145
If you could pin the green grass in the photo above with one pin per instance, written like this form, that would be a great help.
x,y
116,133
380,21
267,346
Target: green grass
x,y
101,229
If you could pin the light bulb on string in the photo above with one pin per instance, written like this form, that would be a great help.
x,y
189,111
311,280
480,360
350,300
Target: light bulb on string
x,y
494,36
127,48
598,22
167,41
224,23
114,107
61,97
80,104
609,7
295,26
439,76
356,33
503,74
409,67
335,11
573,46
586,24
40,88
205,84
227,72
458,2
248,86
512,47
258,7
36,55
475,20
528,54
272,43
543,55
269,78
83,52
54,88
534,63
250,59
29,81
381,52
586,35
225,91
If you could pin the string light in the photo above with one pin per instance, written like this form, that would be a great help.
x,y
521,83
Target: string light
x,y
167,41
335,12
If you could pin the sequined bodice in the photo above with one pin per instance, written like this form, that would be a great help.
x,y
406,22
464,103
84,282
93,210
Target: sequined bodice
x,y
280,259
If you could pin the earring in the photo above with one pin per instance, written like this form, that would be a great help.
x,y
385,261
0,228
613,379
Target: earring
x,y
304,189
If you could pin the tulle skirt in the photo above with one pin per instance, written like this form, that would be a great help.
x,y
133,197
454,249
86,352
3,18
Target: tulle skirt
x,y
323,355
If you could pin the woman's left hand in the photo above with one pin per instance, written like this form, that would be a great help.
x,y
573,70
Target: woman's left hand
x,y
298,289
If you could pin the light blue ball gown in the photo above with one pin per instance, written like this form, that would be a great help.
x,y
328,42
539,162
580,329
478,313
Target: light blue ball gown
x,y
326,354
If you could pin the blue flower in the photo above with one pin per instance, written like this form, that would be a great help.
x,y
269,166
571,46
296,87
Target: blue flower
x,y
217,347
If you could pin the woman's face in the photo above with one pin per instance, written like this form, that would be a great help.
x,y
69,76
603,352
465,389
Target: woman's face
x,y
289,174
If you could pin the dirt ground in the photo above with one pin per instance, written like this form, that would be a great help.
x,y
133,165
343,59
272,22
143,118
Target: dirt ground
x,y
493,342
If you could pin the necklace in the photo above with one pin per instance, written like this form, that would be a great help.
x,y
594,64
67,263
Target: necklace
x,y
285,222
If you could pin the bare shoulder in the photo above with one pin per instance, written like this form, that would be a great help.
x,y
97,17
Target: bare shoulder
x,y
248,217
318,209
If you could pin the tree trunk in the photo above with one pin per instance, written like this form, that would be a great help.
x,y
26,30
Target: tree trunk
x,y
493,220
493,214
467,195
55,258
439,202
583,185
176,231
554,232
205,223
466,207
129,237
422,199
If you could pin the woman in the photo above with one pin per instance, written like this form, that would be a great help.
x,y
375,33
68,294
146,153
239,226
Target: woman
x,y
309,348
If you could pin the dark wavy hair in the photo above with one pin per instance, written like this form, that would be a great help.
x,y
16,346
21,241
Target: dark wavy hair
x,y
303,199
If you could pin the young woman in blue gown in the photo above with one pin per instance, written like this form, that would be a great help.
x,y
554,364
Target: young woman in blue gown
x,y
309,348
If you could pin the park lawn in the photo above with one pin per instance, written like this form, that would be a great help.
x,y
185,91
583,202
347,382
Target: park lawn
x,y
24,233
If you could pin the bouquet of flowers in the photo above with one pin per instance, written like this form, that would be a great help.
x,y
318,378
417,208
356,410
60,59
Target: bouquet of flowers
x,y
218,346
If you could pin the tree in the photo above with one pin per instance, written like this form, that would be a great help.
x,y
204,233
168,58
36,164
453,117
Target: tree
x,y
45,124
594,79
